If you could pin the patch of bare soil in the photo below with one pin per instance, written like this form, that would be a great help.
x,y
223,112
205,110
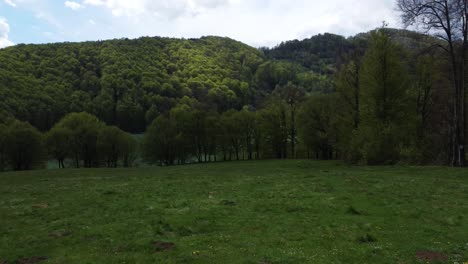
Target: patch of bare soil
x,y
431,256
60,233
41,206
163,246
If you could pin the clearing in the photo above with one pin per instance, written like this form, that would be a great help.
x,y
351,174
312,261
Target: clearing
x,y
239,212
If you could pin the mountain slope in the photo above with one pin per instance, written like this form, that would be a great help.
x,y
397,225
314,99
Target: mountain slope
x,y
129,82
121,80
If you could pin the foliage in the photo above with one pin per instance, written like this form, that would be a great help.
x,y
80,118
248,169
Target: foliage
x,y
384,103
23,146
375,98
124,82
84,130
318,53
3,153
115,145
58,142
319,126
161,141
447,20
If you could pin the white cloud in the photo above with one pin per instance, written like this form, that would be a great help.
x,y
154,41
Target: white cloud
x,y
256,22
15,3
10,2
73,5
4,30
93,2
159,8
49,18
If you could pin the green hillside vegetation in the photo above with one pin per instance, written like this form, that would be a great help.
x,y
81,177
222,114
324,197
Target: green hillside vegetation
x,y
124,82
382,97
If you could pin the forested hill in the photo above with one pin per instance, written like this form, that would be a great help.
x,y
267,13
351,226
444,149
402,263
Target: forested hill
x,y
325,53
319,53
124,82
130,82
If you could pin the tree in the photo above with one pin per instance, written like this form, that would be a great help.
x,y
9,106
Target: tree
x,y
24,146
318,127
232,131
115,145
274,124
213,134
128,150
248,125
348,88
447,20
292,95
160,143
58,142
3,153
383,103
221,97
189,129
109,144
84,129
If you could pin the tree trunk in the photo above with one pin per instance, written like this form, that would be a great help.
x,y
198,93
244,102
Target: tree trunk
x,y
293,132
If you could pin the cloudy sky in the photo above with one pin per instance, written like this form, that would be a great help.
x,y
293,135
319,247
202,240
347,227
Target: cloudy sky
x,y
255,22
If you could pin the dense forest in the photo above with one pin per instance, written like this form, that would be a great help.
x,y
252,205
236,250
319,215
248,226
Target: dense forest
x,y
382,97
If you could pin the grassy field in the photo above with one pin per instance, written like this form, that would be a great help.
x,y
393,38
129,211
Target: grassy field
x,y
243,212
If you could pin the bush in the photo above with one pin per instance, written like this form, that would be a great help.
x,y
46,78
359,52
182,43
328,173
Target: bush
x,y
160,142
3,154
129,150
23,146
58,141
84,129
375,145
114,145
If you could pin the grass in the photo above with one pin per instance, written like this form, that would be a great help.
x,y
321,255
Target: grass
x,y
243,212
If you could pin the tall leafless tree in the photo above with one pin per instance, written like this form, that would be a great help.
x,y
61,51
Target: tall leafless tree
x,y
447,20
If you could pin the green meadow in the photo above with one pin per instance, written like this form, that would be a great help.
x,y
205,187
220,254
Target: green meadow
x,y
236,212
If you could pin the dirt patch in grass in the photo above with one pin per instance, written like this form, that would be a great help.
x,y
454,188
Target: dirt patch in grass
x,y
41,206
3,262
31,260
431,256
60,233
160,246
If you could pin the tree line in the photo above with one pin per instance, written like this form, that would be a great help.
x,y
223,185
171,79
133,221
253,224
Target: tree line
x,y
384,97
78,140
382,112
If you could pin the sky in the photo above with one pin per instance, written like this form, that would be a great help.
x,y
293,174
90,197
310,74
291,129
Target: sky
x,y
255,22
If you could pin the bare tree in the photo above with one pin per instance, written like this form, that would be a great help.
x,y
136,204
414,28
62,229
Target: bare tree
x,y
447,20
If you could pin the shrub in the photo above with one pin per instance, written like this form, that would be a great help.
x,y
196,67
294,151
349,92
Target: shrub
x,y
114,145
58,141
84,129
23,146
160,141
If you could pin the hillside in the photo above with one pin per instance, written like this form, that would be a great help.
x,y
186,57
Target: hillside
x,y
124,81
129,82
319,53
324,53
